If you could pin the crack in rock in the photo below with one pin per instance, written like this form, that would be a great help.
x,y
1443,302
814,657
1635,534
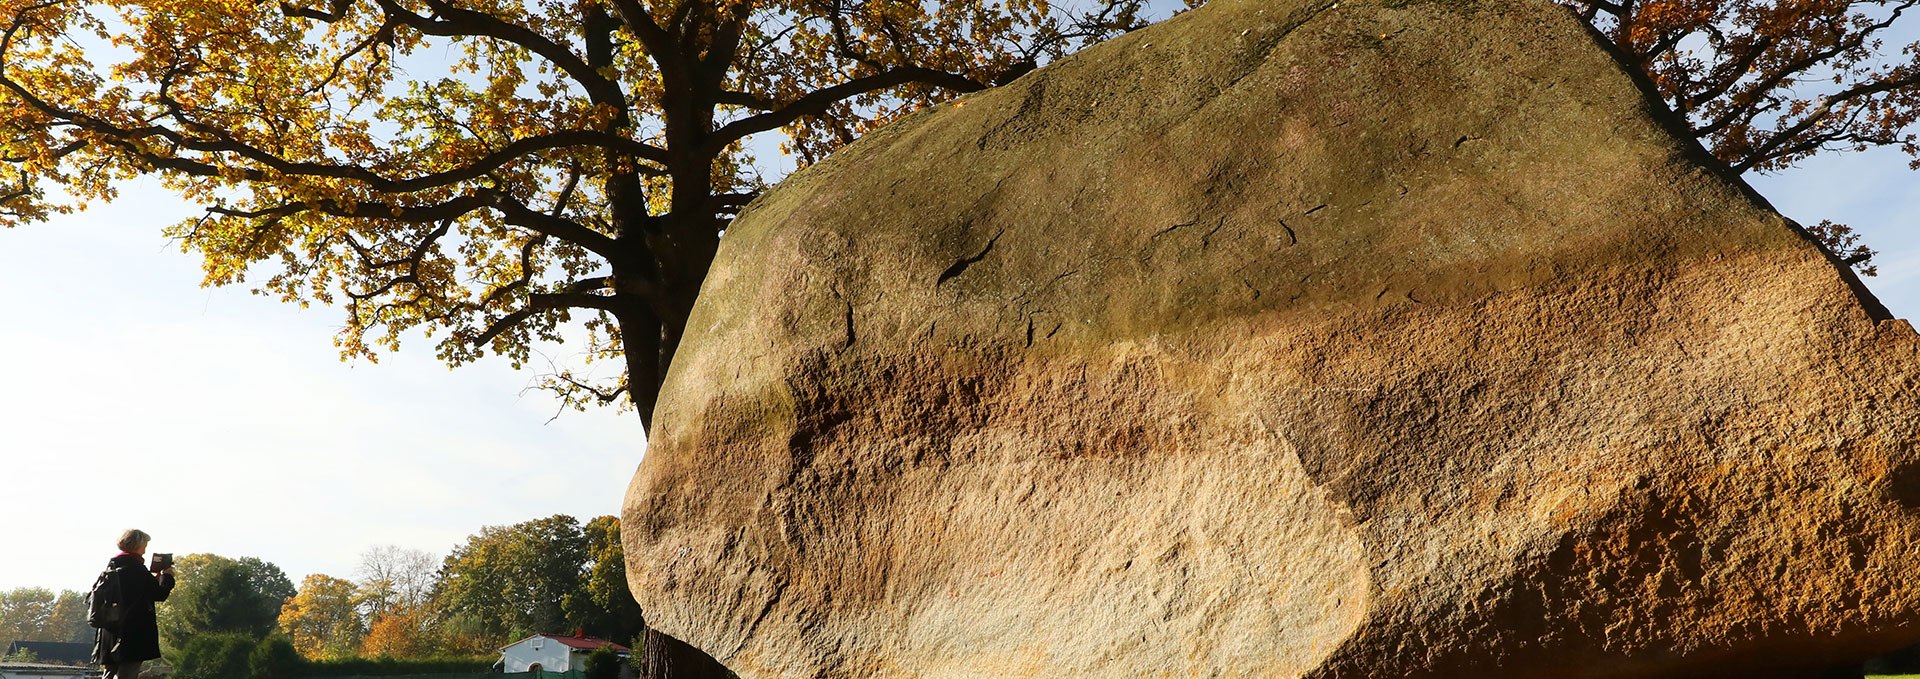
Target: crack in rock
x,y
961,266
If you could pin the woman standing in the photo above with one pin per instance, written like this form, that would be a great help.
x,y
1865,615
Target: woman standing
x,y
123,649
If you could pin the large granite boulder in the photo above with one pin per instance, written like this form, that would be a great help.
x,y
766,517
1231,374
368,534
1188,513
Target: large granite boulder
x,y
1285,339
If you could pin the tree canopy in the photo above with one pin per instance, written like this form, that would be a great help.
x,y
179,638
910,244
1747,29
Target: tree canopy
x,y
504,582
394,578
513,581
402,632
39,614
604,605
323,619
567,156
217,594
384,614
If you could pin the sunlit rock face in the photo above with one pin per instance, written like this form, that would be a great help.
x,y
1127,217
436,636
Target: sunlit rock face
x,y
1284,339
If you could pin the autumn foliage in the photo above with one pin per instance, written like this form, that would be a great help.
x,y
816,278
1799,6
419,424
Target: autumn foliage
x,y
322,619
405,632
482,170
39,614
554,574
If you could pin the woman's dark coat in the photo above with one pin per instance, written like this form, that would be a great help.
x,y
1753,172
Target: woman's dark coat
x,y
138,637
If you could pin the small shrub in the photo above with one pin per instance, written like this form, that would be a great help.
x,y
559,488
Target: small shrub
x,y
603,663
275,658
215,656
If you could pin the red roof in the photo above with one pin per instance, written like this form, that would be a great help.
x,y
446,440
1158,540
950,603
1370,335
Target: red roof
x,y
583,643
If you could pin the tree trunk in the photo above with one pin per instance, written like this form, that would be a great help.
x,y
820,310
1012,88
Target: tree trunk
x,y
649,351
682,255
664,657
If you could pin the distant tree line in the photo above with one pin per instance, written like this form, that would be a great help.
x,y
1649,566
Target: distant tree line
x,y
403,610
506,582
40,614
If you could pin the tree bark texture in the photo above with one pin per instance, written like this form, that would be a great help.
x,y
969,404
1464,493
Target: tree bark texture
x,y
662,656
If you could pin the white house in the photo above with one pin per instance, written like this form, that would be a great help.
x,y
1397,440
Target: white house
x,y
553,652
41,671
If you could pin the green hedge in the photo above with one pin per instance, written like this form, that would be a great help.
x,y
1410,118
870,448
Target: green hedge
x,y
217,656
389,667
239,656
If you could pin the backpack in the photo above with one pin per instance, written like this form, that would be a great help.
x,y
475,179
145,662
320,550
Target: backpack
x,y
106,607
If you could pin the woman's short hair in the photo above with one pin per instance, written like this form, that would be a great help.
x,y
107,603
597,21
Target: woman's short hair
x,y
134,539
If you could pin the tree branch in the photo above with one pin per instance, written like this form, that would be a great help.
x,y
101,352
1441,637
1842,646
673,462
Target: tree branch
x,y
515,212
412,261
544,303
731,202
745,100
818,101
1782,143
224,143
1744,113
458,22
1613,8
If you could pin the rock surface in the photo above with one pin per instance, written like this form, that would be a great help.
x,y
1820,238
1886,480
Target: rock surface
x,y
1285,339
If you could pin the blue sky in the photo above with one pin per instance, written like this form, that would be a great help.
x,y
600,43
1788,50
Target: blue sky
x,y
223,422
1874,192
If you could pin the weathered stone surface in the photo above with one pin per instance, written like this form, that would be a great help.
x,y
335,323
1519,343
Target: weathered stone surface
x,y
1369,339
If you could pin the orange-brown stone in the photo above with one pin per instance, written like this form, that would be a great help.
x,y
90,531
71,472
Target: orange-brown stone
x,y
1285,339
